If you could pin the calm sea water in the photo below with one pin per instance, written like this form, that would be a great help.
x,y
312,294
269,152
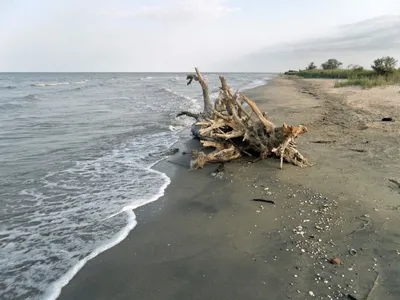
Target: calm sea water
x,y
74,157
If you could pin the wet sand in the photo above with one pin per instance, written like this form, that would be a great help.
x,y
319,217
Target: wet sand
x,y
206,238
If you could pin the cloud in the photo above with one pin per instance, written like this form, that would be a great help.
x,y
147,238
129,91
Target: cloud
x,y
139,38
174,35
357,43
178,10
374,34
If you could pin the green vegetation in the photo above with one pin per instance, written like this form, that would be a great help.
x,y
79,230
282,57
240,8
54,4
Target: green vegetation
x,y
311,66
383,72
378,80
331,64
384,65
335,73
291,72
355,67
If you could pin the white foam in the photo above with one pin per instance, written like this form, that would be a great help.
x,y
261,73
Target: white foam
x,y
256,83
43,84
173,128
57,286
86,209
145,78
169,90
194,104
80,212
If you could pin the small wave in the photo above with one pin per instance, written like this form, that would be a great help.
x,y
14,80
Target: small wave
x,y
43,84
9,105
55,289
145,78
193,103
255,83
76,89
101,192
79,88
169,91
31,96
187,103
176,128
80,82
128,210
19,102
43,125
9,87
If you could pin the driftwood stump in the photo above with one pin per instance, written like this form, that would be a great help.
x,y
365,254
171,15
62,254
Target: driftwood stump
x,y
235,126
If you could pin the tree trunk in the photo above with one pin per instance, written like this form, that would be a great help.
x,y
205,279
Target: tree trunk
x,y
235,131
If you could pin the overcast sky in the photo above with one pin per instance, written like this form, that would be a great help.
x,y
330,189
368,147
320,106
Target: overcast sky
x,y
176,35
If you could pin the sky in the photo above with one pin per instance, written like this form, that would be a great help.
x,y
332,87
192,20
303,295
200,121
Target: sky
x,y
176,35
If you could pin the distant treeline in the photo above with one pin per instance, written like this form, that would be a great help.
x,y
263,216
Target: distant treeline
x,y
383,72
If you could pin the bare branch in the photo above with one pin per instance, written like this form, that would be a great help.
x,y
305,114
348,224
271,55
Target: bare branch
x,y
269,126
189,114
206,93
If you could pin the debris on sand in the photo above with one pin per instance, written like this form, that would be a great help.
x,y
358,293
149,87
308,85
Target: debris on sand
x,y
353,252
264,200
336,261
395,182
323,142
219,172
358,150
235,127
387,119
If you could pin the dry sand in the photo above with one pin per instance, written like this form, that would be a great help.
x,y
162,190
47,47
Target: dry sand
x,y
206,239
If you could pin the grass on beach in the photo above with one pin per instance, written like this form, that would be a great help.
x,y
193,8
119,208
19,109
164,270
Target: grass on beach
x,y
370,82
336,73
348,77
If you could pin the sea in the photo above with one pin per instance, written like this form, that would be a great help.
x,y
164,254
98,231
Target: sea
x,y
76,157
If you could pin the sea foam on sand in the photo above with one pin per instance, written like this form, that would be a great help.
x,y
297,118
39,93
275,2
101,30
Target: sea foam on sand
x,y
55,290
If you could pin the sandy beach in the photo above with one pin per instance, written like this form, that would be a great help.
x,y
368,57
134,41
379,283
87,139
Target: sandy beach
x,y
207,239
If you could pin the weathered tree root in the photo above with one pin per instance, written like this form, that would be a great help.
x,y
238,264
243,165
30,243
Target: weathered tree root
x,y
235,126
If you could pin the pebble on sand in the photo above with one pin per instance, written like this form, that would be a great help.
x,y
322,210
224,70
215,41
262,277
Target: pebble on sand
x,y
336,261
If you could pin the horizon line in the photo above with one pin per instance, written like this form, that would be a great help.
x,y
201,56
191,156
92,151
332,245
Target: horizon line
x,y
135,72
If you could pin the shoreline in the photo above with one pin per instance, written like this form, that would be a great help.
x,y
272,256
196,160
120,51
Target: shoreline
x,y
184,142
205,239
55,289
